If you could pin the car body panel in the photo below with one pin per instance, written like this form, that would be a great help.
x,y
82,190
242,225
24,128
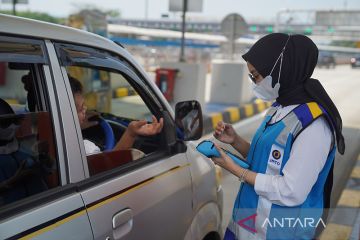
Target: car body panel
x,y
53,220
159,196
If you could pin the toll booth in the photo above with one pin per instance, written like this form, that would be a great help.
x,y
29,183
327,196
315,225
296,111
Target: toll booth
x,y
165,80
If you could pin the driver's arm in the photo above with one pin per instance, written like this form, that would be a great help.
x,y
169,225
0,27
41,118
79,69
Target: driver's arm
x,y
137,128
126,141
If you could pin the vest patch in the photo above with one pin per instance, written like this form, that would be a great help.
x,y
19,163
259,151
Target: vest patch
x,y
276,154
275,160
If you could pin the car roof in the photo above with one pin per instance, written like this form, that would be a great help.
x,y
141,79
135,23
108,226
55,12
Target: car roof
x,y
38,29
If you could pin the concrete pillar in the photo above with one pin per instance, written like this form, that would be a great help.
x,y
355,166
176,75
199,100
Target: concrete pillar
x,y
190,83
229,83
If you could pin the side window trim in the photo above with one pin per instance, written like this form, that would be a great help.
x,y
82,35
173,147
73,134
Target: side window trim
x,y
70,141
40,87
57,127
76,122
23,57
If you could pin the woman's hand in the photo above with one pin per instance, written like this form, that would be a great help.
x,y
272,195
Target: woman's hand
x,y
225,133
227,163
224,160
142,128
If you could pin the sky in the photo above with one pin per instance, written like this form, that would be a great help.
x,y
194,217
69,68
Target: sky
x,y
262,10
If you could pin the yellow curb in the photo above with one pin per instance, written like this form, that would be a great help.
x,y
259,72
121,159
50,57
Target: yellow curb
x,y
122,92
350,198
336,232
215,118
249,110
355,172
234,114
261,106
12,101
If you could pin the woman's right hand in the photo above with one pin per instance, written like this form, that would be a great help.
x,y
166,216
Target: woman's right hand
x,y
225,133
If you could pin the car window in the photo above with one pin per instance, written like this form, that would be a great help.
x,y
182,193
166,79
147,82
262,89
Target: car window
x,y
109,93
28,159
110,101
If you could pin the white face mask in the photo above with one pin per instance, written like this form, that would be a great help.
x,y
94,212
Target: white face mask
x,y
264,89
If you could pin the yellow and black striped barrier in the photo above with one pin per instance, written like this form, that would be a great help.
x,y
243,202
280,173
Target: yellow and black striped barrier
x,y
344,222
234,114
123,92
12,101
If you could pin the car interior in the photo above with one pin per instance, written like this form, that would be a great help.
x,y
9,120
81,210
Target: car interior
x,y
28,166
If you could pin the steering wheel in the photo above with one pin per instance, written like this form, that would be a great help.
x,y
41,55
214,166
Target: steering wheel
x,y
109,134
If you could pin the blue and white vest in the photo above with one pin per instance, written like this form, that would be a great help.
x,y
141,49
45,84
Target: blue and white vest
x,y
255,217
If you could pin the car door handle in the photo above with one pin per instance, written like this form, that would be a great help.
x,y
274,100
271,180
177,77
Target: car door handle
x,y
122,223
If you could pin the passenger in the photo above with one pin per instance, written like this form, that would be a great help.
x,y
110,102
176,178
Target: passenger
x,y
27,80
292,153
21,174
134,129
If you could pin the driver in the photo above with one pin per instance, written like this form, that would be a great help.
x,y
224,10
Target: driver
x,y
135,128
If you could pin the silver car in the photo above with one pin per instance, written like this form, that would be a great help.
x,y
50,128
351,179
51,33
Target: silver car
x,y
51,187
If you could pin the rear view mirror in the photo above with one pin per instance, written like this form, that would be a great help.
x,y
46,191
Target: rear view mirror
x,y
189,120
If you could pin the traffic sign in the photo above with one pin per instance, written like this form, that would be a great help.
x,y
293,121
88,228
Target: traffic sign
x,y
192,5
233,26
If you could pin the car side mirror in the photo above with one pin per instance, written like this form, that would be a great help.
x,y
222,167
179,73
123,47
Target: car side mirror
x,y
188,120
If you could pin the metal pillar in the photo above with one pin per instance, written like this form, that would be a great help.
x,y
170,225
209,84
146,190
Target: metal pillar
x,y
183,30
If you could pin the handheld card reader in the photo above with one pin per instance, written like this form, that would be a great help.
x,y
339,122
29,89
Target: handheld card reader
x,y
208,149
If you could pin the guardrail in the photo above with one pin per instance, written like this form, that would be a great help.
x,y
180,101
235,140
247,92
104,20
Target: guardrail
x,y
234,114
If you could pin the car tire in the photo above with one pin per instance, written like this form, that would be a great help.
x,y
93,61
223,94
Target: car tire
x,y
212,236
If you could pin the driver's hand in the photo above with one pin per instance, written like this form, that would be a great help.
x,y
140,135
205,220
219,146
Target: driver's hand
x,y
143,128
90,119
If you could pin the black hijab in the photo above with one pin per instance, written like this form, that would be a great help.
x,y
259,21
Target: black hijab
x,y
296,85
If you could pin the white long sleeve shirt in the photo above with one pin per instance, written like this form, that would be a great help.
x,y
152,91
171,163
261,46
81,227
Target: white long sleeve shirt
x,y
307,158
90,147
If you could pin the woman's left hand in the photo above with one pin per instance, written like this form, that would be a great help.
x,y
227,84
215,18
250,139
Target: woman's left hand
x,y
224,160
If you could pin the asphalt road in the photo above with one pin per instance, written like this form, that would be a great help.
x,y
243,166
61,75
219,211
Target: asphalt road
x,y
343,86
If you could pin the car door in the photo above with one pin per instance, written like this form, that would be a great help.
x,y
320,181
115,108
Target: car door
x,y
127,196
37,197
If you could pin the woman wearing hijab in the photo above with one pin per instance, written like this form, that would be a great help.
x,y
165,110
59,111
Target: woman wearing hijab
x,y
285,191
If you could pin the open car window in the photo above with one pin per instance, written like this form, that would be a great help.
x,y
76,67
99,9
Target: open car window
x,y
108,97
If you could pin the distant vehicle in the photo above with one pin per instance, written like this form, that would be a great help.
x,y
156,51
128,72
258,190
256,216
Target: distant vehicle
x,y
326,59
355,61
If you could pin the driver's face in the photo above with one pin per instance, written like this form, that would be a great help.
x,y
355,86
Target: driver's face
x,y
80,107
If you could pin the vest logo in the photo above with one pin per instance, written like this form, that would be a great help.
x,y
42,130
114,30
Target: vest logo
x,y
248,223
275,162
276,154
